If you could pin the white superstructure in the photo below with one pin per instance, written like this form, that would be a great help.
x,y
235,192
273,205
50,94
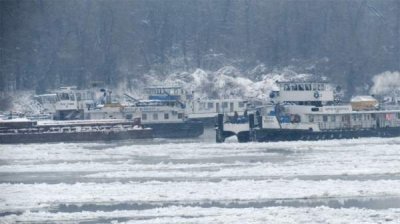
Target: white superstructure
x,y
303,93
209,108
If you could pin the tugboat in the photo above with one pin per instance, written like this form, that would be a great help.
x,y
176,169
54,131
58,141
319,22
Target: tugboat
x,y
87,115
310,111
164,112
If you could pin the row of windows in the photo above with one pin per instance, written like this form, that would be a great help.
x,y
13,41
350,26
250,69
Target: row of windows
x,y
304,87
347,118
155,116
79,96
211,105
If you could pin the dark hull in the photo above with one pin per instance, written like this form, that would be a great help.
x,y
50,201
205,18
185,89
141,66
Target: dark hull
x,y
75,136
207,121
188,129
273,135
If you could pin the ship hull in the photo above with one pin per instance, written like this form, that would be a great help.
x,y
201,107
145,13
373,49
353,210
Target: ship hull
x,y
207,121
75,136
188,129
273,135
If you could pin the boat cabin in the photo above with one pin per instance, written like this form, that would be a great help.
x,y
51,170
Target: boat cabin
x,y
355,119
303,93
71,103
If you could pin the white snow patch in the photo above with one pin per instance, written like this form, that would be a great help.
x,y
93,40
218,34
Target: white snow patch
x,y
386,83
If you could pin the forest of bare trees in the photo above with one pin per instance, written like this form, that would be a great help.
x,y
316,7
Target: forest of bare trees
x,y
45,43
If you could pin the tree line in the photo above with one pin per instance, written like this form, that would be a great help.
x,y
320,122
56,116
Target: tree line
x,y
45,43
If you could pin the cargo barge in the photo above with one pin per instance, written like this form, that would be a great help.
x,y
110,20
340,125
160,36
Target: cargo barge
x,y
27,131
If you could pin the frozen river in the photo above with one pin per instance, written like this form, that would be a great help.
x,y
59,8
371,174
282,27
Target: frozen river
x,y
198,181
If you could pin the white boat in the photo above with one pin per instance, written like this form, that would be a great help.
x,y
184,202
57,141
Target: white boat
x,y
309,111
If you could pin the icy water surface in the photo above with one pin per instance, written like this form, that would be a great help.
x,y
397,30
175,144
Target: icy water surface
x,y
198,181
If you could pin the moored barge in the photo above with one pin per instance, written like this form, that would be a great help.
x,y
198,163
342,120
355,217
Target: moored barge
x,y
27,131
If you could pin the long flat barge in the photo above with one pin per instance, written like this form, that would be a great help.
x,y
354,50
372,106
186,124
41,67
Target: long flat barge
x,y
26,131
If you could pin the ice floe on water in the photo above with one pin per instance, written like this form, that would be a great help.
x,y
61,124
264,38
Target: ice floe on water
x,y
336,181
182,214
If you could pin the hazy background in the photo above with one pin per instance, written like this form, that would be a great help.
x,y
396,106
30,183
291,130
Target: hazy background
x,y
45,44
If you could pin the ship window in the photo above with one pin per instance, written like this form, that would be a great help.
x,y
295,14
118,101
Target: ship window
x,y
286,87
301,87
78,96
314,86
333,118
315,109
311,118
324,118
129,116
166,116
72,97
210,105
64,96
321,87
225,105
398,115
144,116
155,116
90,96
356,117
308,86
294,87
180,115
241,104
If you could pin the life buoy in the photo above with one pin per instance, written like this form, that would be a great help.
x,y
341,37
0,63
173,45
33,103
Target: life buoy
x,y
316,94
272,95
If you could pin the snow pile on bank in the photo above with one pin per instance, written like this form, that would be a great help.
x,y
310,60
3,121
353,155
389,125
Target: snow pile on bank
x,y
24,102
228,82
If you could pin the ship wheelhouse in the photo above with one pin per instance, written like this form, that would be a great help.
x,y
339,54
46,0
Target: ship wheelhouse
x,y
303,93
71,103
